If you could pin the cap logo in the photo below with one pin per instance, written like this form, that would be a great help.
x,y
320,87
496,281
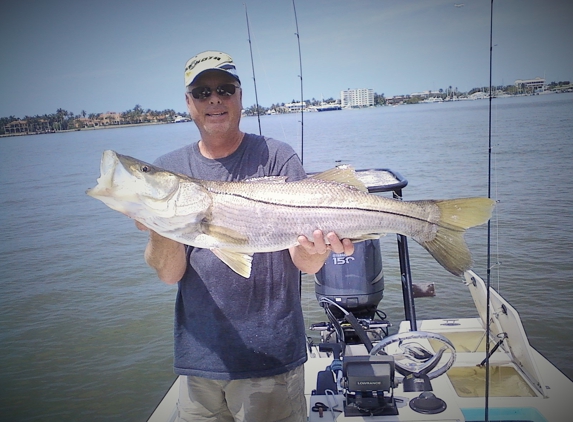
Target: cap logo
x,y
209,60
196,62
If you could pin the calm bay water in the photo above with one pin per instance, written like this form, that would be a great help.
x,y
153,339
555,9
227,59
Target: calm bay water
x,y
86,328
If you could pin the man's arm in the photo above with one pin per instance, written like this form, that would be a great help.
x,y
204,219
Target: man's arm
x,y
310,256
165,256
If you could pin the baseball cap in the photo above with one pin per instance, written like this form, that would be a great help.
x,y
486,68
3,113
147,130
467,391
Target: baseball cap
x,y
209,60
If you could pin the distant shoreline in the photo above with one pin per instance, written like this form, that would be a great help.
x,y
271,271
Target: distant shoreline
x,y
6,135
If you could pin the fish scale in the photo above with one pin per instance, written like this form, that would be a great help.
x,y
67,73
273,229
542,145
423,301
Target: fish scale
x,y
366,217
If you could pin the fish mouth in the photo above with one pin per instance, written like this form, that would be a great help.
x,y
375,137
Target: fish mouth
x,y
108,166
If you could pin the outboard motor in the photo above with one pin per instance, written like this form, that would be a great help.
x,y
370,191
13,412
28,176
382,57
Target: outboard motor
x,y
354,282
349,288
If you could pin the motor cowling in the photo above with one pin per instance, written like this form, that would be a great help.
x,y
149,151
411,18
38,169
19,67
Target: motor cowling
x,y
354,282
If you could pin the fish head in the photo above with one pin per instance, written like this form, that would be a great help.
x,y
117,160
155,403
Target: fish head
x,y
127,184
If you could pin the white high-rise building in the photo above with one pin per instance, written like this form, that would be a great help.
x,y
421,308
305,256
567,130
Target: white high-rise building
x,y
357,98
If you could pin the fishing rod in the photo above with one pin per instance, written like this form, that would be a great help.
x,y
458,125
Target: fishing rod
x,y
488,296
301,112
301,91
253,67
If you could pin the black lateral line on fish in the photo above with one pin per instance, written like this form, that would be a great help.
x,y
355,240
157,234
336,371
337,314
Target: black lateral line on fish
x,y
447,226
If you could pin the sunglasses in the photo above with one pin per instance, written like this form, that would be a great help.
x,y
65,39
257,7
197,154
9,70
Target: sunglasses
x,y
202,92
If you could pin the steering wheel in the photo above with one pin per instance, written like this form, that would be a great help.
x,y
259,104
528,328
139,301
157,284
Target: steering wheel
x,y
413,358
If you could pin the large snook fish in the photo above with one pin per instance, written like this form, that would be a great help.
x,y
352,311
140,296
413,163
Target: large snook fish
x,y
237,219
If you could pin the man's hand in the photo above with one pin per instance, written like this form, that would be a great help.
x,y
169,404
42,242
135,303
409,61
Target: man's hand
x,y
319,246
141,226
309,256
167,257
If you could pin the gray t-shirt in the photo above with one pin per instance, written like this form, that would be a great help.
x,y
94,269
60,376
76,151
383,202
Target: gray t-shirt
x,y
226,326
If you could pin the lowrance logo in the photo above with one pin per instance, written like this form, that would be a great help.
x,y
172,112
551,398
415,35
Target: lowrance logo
x,y
367,383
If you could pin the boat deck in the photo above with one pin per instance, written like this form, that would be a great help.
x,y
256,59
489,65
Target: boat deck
x,y
512,396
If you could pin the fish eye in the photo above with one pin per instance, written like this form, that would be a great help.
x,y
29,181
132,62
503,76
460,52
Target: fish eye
x,y
145,169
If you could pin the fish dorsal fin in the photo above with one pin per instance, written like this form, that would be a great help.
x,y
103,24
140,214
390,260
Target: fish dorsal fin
x,y
341,174
238,262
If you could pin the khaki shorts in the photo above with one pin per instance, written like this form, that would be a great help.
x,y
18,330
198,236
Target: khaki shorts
x,y
271,399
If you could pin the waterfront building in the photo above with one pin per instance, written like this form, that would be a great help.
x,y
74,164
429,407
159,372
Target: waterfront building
x,y
530,84
397,99
294,107
25,126
352,98
81,122
17,126
422,94
110,118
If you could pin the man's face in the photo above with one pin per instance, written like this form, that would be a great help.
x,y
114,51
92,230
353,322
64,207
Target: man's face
x,y
218,114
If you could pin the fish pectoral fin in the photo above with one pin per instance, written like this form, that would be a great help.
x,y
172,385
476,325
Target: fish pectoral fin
x,y
343,174
224,234
238,262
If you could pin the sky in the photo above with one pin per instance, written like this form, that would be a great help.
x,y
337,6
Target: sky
x,y
107,55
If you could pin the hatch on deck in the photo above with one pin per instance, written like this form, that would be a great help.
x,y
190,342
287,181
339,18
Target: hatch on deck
x,y
505,381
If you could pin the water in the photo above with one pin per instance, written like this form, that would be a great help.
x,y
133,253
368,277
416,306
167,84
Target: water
x,y
86,328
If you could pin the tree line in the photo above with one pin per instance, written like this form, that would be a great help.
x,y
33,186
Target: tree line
x,y
67,120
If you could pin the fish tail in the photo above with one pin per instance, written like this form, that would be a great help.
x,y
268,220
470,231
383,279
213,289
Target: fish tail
x,y
448,246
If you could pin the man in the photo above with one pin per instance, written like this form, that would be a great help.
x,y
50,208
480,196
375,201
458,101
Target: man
x,y
239,343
